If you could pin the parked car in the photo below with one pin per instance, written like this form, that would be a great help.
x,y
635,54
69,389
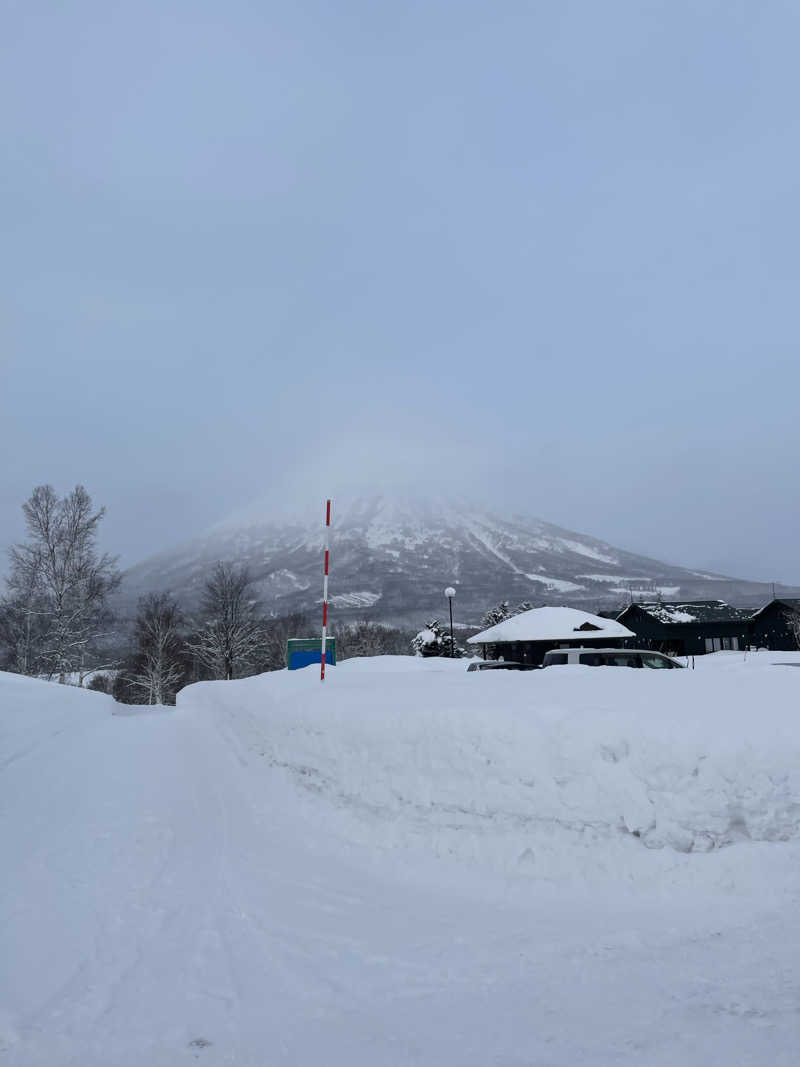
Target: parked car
x,y
610,657
499,665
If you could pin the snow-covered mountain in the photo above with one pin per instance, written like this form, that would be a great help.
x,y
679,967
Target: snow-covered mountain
x,y
392,557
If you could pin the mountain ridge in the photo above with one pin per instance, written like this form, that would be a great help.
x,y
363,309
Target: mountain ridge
x,y
393,556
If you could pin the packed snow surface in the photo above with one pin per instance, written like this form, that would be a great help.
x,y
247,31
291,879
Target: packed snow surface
x,y
406,865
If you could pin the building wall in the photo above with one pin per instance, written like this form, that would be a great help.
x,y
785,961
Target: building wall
x,y
771,630
684,638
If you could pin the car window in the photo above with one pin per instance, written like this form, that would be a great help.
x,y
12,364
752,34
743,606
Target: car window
x,y
593,659
623,661
558,658
655,661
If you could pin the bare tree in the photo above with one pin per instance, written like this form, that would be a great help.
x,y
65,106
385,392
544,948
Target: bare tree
x,y
793,624
275,634
157,669
370,639
60,583
21,634
230,635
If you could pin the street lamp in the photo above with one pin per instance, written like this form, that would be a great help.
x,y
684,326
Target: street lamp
x,y
450,593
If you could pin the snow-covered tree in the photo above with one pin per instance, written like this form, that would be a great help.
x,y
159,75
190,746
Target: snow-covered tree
x,y
59,584
426,642
230,636
495,615
157,668
450,647
502,612
433,640
793,622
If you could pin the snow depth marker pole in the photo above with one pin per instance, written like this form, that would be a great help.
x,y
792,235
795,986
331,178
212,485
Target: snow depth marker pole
x,y
325,592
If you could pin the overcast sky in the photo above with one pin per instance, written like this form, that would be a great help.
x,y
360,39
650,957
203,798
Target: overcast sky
x,y
546,252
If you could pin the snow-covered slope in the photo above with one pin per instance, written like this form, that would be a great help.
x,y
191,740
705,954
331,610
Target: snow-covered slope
x,y
393,557
408,865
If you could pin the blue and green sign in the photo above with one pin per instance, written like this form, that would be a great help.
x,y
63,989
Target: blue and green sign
x,y
302,651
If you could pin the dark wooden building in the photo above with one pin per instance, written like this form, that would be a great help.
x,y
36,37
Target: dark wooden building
x,y
771,627
688,628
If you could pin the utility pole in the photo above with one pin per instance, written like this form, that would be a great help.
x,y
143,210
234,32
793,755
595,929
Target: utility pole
x,y
325,592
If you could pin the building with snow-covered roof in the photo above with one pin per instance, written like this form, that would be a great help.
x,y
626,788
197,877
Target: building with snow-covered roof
x,y
525,638
688,628
775,625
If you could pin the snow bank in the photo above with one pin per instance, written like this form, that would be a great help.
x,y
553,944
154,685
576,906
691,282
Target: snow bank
x,y
258,876
35,713
496,765
402,664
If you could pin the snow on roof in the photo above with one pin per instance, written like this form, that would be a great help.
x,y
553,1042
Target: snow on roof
x,y
551,624
788,603
694,611
664,613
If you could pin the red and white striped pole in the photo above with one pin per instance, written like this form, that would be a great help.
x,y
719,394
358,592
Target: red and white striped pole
x,y
325,591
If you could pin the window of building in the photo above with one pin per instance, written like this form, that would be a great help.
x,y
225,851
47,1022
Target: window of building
x,y
719,644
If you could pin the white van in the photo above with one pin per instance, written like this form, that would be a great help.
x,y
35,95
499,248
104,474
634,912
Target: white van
x,y
609,657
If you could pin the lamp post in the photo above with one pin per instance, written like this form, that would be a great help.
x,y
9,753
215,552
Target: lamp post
x,y
450,593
